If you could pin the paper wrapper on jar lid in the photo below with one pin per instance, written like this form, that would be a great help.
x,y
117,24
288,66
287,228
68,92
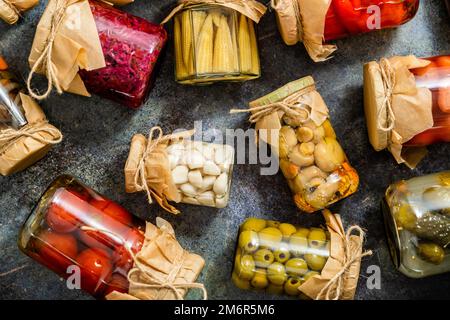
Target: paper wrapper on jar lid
x,y
22,147
339,278
147,168
396,109
297,99
163,270
304,21
252,9
10,10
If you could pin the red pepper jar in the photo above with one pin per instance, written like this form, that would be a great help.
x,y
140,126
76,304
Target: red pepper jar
x,y
349,17
74,229
131,47
436,77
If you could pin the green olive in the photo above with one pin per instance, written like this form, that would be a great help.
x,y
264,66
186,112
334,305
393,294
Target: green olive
x,y
317,238
309,275
431,252
260,281
246,269
291,286
248,241
276,273
302,232
405,217
263,258
296,267
273,224
315,262
282,253
240,283
270,237
237,258
298,244
274,289
253,224
287,229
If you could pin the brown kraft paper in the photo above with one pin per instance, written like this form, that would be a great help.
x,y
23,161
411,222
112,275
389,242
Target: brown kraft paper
x,y
163,270
10,10
304,21
252,9
21,148
396,109
339,278
147,168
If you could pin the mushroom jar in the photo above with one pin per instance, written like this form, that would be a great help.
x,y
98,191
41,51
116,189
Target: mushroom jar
x,y
310,156
436,77
417,219
216,43
74,228
278,257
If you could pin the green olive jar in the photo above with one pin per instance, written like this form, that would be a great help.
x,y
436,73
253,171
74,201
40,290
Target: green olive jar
x,y
277,258
417,219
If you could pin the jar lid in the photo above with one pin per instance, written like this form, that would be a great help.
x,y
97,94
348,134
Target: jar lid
x,y
376,115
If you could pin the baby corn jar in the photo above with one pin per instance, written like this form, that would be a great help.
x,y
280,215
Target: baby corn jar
x,y
216,42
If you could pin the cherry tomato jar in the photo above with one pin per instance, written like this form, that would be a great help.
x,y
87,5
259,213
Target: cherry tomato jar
x,y
417,219
349,17
73,229
436,77
131,47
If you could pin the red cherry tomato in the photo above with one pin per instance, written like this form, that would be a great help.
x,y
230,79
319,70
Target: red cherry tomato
x,y
444,99
117,283
99,203
392,14
118,213
95,268
60,220
96,239
443,61
83,195
122,258
56,250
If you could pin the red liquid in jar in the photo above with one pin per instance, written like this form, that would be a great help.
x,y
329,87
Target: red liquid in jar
x,y
131,47
61,239
435,77
349,17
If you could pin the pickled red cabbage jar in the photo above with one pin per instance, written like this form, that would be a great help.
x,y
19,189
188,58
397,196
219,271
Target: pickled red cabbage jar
x,y
349,17
436,77
72,225
131,47
417,218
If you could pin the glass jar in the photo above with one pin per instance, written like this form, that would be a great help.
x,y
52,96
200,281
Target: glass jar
x,y
131,47
349,17
278,257
11,112
72,225
214,43
417,219
436,77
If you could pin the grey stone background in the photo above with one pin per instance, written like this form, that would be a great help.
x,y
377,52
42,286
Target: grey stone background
x,y
97,135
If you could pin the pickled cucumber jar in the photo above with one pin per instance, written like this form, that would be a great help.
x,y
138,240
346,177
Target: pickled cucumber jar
x,y
214,43
417,219
74,228
278,257
436,77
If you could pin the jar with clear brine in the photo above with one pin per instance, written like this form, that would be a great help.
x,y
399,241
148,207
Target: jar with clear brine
x,y
73,225
214,43
417,218
278,257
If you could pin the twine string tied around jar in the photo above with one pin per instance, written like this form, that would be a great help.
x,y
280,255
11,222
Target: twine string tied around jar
x,y
334,289
10,5
388,77
151,281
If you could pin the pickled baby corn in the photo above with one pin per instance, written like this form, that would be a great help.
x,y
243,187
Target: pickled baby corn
x,y
254,47
180,66
204,48
186,28
244,43
223,60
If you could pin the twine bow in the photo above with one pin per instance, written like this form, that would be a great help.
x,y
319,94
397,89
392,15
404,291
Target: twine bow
x,y
44,62
9,136
292,106
10,5
388,77
153,282
251,8
352,254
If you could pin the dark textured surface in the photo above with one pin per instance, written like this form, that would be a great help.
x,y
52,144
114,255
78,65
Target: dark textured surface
x,y
97,134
